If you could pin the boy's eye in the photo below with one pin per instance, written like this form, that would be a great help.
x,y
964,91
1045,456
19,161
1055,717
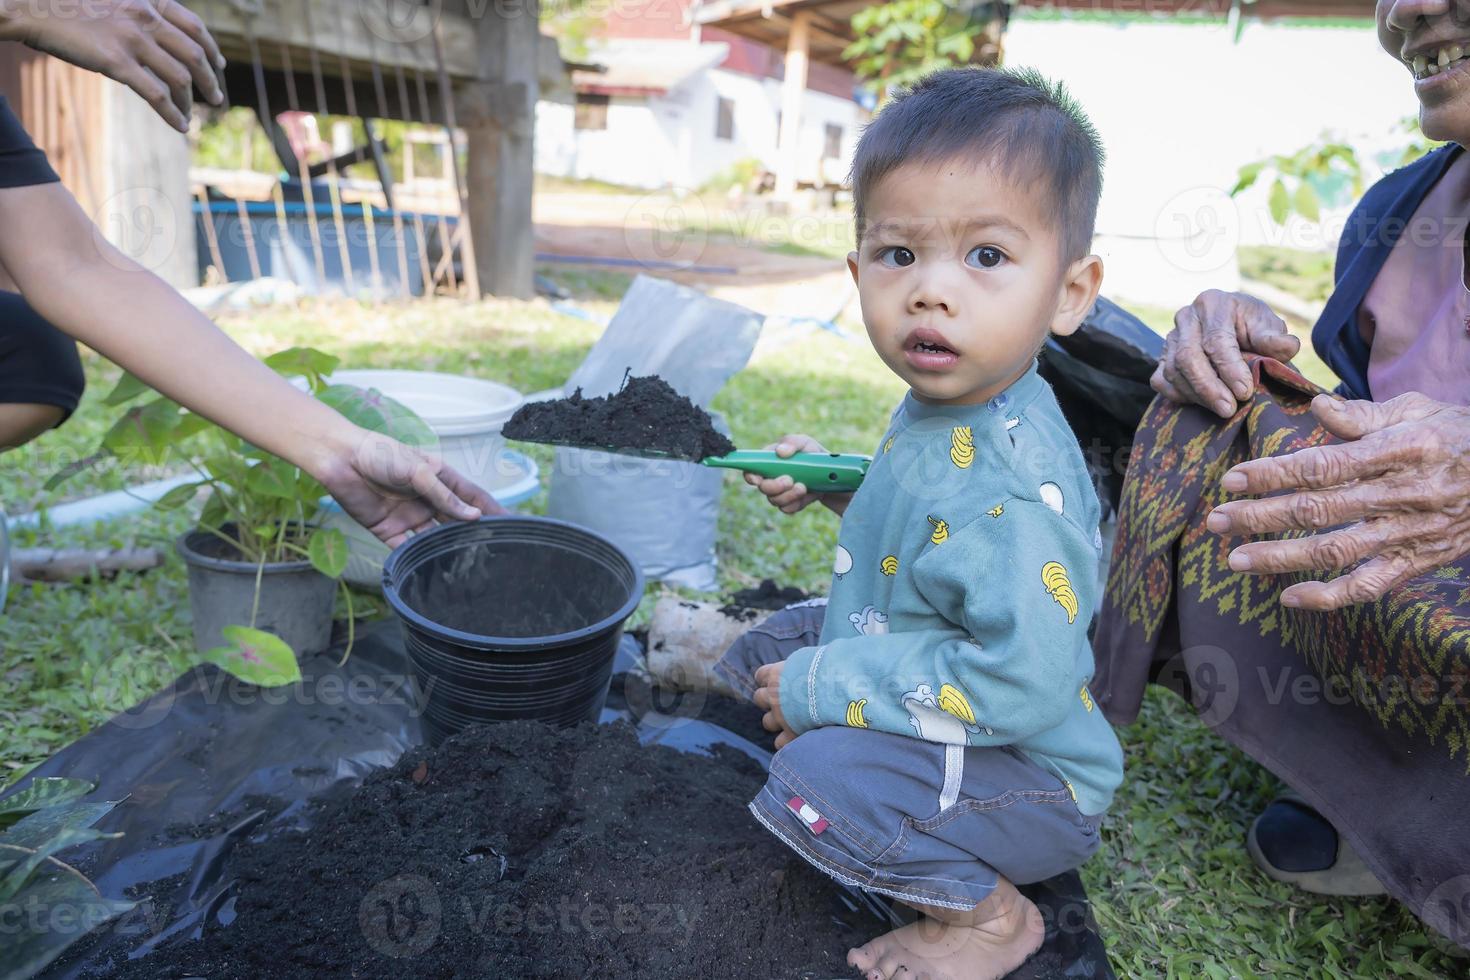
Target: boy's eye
x,y
985,256
896,255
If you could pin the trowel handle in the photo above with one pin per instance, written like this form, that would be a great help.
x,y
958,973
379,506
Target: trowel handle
x,y
820,472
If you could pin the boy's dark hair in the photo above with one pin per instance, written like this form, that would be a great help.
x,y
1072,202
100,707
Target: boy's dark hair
x,y
1030,128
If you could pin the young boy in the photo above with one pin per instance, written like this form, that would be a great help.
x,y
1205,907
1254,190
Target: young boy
x,y
937,740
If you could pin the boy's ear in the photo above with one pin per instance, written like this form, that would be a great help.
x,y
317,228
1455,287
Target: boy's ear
x,y
1080,286
852,266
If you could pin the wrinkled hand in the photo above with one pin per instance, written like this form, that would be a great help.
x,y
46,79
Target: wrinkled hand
x,y
785,493
157,48
768,697
396,491
1204,362
1401,483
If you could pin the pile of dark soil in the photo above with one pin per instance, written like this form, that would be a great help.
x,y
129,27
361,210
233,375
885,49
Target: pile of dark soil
x,y
517,850
767,595
645,416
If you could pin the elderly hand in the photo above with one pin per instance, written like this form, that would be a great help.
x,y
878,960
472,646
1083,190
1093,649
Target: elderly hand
x,y
396,491
1204,362
157,48
1400,481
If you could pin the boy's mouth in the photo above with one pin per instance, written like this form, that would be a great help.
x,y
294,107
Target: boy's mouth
x,y
927,350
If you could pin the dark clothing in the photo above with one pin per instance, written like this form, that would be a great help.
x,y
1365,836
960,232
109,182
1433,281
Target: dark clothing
x,y
1375,225
21,163
1363,710
38,363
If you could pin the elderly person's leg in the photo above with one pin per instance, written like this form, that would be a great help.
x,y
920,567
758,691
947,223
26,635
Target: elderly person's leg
x,y
41,376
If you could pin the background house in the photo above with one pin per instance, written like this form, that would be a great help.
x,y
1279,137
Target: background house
x,y
677,104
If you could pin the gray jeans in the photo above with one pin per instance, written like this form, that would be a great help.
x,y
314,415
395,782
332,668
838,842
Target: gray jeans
x,y
926,823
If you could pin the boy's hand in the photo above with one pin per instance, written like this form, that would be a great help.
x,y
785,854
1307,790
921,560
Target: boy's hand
x,y
784,492
768,697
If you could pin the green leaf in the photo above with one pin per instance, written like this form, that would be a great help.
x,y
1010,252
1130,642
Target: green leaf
x,y
41,793
127,388
75,901
144,434
375,411
215,514
1306,202
256,657
328,552
1247,176
192,424
178,496
273,478
303,362
72,469
1280,202
17,875
36,829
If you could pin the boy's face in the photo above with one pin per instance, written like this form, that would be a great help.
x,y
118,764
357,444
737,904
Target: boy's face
x,y
961,278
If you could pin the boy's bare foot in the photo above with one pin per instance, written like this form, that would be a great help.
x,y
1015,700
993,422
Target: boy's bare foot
x,y
984,943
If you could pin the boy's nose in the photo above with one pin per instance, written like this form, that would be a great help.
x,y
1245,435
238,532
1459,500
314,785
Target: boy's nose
x,y
926,300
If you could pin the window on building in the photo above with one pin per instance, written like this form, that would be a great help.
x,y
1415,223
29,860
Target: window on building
x,y
724,118
591,111
832,147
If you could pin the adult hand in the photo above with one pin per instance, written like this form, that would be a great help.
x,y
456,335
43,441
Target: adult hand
x,y
785,493
1204,362
1400,481
768,698
155,47
396,491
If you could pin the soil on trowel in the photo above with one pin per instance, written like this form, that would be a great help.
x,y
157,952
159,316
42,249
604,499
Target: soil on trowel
x,y
767,595
518,850
647,415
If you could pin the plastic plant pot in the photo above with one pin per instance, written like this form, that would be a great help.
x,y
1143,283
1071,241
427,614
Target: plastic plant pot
x,y
511,617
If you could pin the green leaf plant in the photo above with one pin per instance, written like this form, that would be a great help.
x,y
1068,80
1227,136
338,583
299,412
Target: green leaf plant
x,y
52,902
261,506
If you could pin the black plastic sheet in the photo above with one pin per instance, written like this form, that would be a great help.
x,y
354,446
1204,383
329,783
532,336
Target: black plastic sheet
x,y
211,764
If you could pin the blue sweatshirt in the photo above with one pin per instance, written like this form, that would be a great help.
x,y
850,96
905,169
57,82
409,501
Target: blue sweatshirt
x,y
965,578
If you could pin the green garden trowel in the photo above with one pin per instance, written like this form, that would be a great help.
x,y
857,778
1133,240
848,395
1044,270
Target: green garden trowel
x,y
819,472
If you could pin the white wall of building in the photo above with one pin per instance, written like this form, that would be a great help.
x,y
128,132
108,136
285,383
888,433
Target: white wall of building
x,y
669,139
1181,107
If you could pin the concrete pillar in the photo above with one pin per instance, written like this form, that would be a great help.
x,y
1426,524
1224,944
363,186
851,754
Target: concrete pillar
x,y
793,91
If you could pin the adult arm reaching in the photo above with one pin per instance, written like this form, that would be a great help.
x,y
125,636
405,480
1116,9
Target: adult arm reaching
x,y
1204,355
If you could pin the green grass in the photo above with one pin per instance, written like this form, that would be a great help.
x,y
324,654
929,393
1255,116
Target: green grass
x,y
1302,273
1173,889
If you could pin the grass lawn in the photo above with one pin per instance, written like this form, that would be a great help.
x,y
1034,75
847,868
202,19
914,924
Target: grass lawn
x,y
1173,888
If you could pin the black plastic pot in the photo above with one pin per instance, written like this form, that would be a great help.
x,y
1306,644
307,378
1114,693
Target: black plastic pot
x,y
511,617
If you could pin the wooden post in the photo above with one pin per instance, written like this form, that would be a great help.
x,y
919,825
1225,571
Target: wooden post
x,y
793,92
498,114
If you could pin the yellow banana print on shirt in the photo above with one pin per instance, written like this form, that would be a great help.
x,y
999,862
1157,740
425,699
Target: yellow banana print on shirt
x,y
962,446
888,445
889,565
1054,577
855,717
941,531
1086,698
997,510
953,700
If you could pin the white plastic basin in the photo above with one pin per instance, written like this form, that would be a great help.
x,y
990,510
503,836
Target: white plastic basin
x,y
465,413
